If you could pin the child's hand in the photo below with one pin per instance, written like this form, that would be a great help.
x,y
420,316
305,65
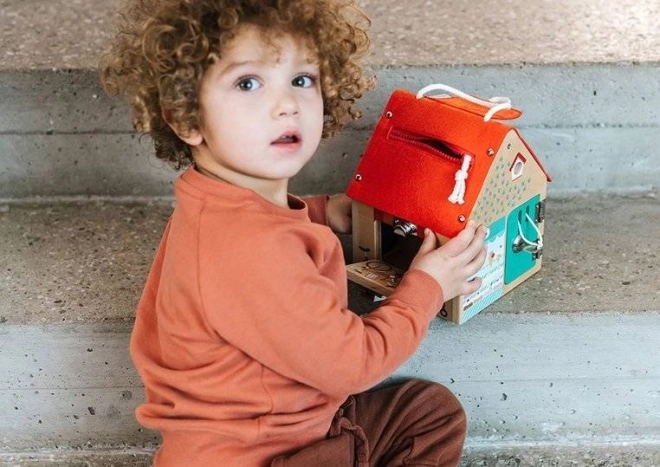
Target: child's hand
x,y
455,262
339,213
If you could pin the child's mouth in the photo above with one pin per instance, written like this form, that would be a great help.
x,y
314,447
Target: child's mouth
x,y
287,139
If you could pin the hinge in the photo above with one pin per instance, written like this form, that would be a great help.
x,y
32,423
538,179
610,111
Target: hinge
x,y
540,212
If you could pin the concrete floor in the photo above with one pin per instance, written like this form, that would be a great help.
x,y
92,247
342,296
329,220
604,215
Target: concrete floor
x,y
118,458
73,33
561,458
87,261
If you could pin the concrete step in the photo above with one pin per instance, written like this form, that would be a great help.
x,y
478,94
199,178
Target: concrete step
x,y
568,388
595,127
86,261
576,457
65,34
563,369
587,86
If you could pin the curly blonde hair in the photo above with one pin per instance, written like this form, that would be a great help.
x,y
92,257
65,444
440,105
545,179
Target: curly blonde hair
x,y
163,48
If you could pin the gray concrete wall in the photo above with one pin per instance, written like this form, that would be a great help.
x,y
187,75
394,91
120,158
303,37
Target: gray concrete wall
x,y
594,127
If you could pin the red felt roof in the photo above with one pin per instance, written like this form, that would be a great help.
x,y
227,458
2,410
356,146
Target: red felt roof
x,y
406,170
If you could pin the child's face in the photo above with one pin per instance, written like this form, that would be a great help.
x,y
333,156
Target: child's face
x,y
261,113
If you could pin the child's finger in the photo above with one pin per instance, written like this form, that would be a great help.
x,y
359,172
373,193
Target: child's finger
x,y
472,286
474,247
460,242
476,263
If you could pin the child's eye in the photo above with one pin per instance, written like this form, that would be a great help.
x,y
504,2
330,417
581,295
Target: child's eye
x,y
304,81
248,84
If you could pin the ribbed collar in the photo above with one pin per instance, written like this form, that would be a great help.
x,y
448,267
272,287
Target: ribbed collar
x,y
192,182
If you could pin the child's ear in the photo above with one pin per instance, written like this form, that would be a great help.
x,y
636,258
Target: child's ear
x,y
190,137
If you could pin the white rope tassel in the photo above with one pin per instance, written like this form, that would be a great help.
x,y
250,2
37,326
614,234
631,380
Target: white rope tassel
x,y
457,196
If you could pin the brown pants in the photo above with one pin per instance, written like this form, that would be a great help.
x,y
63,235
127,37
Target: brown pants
x,y
414,423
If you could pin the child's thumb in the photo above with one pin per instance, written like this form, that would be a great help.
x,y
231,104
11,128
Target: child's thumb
x,y
429,243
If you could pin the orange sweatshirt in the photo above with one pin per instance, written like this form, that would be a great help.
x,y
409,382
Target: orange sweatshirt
x,y
243,338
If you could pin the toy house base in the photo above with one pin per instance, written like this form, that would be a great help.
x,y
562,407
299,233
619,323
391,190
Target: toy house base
x,y
382,278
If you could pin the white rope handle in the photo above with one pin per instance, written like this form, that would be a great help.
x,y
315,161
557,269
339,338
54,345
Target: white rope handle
x,y
458,195
495,104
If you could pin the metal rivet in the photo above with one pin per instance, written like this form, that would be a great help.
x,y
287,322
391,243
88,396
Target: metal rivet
x,y
388,114
358,178
461,218
490,152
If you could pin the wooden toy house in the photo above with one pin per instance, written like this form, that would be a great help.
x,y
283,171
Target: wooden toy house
x,y
437,162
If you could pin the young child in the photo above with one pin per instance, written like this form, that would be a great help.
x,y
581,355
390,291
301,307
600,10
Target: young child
x,y
243,339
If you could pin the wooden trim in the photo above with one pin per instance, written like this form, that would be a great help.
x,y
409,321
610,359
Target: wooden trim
x,y
366,233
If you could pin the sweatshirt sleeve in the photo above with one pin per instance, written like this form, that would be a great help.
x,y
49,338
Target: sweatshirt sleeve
x,y
316,208
277,307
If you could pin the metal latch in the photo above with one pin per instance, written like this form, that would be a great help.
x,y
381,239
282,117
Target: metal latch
x,y
519,244
404,228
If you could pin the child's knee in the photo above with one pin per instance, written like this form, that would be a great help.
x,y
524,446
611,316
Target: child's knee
x,y
440,401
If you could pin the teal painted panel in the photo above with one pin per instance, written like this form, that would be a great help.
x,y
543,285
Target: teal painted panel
x,y
518,263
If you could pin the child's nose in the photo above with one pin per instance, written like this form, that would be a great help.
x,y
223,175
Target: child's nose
x,y
287,104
